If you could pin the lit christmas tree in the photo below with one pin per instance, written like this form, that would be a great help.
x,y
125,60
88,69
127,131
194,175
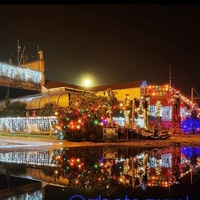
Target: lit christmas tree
x,y
86,116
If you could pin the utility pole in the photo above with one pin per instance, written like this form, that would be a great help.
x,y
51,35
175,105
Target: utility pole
x,y
170,79
19,58
192,94
18,52
170,75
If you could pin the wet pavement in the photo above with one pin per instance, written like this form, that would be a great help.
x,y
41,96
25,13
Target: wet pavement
x,y
9,142
26,142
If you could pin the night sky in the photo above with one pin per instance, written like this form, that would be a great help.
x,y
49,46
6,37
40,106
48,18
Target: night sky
x,y
107,43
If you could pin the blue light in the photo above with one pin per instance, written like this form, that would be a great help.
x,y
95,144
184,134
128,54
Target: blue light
x,y
191,125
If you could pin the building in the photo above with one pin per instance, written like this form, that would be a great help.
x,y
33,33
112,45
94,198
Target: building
x,y
23,79
158,99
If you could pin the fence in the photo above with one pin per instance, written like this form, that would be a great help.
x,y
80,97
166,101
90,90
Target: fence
x,y
37,125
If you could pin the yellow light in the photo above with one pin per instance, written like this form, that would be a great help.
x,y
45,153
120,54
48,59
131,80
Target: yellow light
x,y
87,82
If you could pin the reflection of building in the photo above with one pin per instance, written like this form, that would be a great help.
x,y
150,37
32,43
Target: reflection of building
x,y
123,165
35,161
110,152
43,158
31,191
160,163
159,167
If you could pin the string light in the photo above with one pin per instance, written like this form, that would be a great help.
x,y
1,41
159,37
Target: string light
x,y
24,74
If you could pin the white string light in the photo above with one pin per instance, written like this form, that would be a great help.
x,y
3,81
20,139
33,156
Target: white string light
x,y
24,74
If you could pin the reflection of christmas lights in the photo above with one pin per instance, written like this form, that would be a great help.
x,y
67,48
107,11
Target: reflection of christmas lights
x,y
95,172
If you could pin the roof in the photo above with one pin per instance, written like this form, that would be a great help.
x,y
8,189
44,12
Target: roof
x,y
53,84
61,98
38,101
133,84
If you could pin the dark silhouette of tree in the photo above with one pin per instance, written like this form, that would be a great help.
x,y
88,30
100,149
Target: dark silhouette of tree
x,y
7,101
15,109
48,109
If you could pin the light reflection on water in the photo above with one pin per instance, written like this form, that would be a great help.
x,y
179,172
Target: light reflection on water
x,y
108,172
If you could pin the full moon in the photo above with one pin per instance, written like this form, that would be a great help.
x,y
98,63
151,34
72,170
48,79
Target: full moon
x,y
87,82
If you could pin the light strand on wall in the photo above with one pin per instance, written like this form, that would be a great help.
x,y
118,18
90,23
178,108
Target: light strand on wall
x,y
24,74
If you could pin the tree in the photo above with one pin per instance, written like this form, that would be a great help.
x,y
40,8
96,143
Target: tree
x,y
85,115
48,109
15,109
7,101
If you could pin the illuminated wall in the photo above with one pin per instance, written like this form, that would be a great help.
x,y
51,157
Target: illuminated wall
x,y
29,76
166,112
165,94
121,93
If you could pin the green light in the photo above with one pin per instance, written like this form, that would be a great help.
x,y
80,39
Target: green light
x,y
96,122
95,166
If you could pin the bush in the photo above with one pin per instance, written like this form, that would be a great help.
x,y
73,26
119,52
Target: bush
x,y
15,109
